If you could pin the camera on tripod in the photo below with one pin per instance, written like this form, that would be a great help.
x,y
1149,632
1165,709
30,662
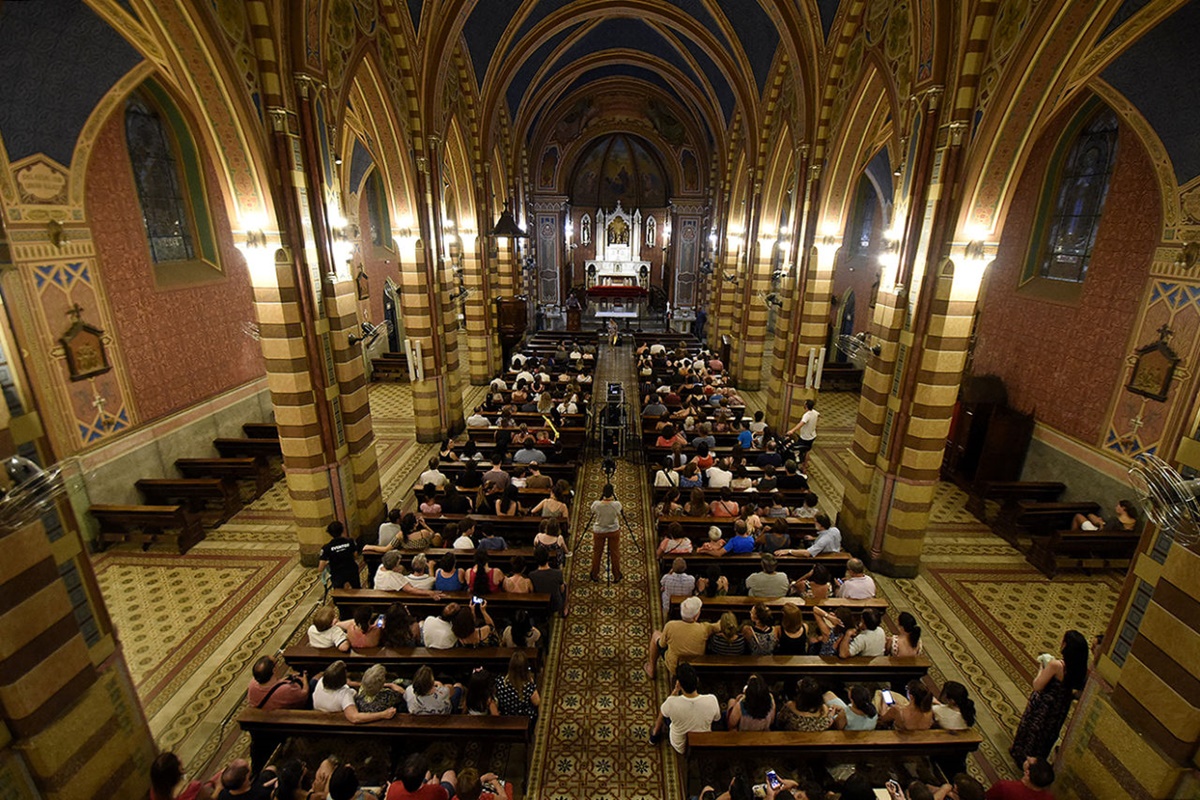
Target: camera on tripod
x,y
613,420
615,394
609,468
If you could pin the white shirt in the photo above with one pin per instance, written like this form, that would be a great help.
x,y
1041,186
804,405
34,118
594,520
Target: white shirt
x,y
387,532
860,587
869,643
523,375
689,714
719,478
434,476
463,543
387,580
518,360
478,421
420,581
327,638
332,701
437,634
808,425
499,385
666,477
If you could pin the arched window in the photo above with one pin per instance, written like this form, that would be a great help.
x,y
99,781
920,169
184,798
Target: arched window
x,y
1074,201
159,183
167,175
378,219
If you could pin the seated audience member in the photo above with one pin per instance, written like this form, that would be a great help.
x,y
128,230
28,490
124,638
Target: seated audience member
x,y
745,436
768,482
428,696
807,712
720,474
791,477
361,631
795,638
516,581
1036,778
390,577
416,782
809,509
741,479
483,579
829,540
473,631
815,586
529,452
496,476
908,641
962,787
859,715
556,506
769,457
679,639
550,538
491,541
715,546
400,629
548,579
417,535
768,582
389,529
522,632
773,536
419,575
1125,519
696,505
325,632
376,693
535,479
238,781
270,693
727,639
674,541
433,475
857,585
437,632
666,476
448,577
470,479
167,781
343,785
726,506
742,542
868,639
516,691
430,507
686,710
912,712
454,502
488,786
676,582
333,694
712,583
670,505
762,634
690,477
773,507
833,628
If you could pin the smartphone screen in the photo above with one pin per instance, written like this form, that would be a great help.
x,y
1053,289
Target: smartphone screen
x,y
476,600
887,697
773,779
379,622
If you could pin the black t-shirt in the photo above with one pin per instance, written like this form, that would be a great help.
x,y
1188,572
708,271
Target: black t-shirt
x,y
786,481
469,480
340,554
257,790
456,505
549,581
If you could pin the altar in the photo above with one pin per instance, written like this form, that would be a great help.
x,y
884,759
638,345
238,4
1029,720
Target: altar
x,y
618,280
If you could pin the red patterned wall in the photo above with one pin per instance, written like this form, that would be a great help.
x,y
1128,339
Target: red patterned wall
x,y
379,263
180,346
1061,361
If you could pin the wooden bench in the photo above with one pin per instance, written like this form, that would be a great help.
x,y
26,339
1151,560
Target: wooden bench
x,y
513,529
145,525
408,660
464,559
404,732
880,669
197,493
694,527
569,437
1009,493
254,448
249,468
794,746
1041,519
261,430
392,369
1083,550
740,605
499,604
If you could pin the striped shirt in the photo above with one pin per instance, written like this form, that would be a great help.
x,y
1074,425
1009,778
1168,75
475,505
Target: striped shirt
x,y
676,583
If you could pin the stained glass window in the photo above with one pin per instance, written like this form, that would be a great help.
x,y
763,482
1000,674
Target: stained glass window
x,y
159,183
377,211
1079,200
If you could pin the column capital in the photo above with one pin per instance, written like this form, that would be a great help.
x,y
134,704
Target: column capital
x,y
307,84
957,131
933,96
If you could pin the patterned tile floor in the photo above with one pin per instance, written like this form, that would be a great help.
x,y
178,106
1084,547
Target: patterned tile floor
x,y
986,614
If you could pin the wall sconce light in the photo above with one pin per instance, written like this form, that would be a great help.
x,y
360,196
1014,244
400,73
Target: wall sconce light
x,y
257,249
889,257
1188,255
56,233
977,254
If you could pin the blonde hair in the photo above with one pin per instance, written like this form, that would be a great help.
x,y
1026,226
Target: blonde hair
x,y
324,618
372,681
518,670
793,619
729,625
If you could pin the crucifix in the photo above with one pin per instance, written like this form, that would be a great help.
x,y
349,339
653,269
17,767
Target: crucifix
x,y
75,312
1136,423
98,403
1165,333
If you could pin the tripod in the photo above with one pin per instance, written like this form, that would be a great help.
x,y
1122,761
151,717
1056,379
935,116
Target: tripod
x,y
610,468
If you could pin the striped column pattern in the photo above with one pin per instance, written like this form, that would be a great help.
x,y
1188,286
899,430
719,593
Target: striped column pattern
x,y
754,317
479,339
281,335
1140,738
453,376
726,294
874,415
809,327
974,59
365,506
73,729
266,52
418,327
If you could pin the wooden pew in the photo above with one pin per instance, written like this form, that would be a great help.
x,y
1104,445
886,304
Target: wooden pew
x,y
1009,493
795,746
406,661
1083,550
1041,519
501,559
570,437
243,469
261,430
740,605
392,369
241,448
880,669
513,529
737,567
404,732
499,604
695,527
196,492
145,525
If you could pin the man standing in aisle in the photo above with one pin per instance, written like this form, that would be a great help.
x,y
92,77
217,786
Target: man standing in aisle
x,y
807,426
606,529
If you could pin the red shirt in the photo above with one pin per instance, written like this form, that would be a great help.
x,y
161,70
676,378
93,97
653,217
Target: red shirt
x,y
428,791
290,695
1015,790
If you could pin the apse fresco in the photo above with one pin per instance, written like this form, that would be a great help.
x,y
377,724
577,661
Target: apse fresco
x,y
621,169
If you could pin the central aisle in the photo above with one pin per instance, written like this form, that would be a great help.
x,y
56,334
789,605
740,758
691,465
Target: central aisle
x,y
599,706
